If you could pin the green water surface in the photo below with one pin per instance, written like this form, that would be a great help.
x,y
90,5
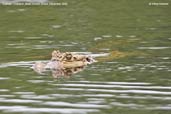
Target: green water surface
x,y
137,83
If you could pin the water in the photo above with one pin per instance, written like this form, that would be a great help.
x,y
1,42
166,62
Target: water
x,y
133,79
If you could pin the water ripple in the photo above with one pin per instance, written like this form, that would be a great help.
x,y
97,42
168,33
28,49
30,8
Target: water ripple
x,y
45,110
19,64
76,105
150,92
123,83
154,48
114,86
3,100
4,78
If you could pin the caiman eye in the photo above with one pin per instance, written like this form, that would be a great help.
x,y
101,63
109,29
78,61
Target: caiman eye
x,y
88,59
75,58
68,56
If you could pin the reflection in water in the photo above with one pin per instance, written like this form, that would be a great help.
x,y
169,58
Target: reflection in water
x,y
39,67
57,73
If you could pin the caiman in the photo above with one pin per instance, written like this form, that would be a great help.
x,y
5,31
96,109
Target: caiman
x,y
63,62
